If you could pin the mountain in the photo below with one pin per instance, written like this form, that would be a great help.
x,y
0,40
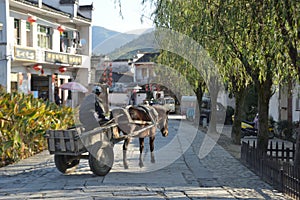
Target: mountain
x,y
100,34
142,43
105,41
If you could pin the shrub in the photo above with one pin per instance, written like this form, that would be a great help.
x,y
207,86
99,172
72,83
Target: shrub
x,y
285,132
229,114
23,122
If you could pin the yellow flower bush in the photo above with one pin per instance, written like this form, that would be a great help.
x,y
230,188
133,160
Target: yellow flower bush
x,y
23,123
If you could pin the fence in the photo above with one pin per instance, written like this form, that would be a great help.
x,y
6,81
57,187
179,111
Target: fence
x,y
275,167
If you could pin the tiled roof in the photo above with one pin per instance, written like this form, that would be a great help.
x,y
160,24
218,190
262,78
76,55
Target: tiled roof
x,y
147,57
50,8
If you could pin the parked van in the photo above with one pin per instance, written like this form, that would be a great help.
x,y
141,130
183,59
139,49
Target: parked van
x,y
187,102
168,103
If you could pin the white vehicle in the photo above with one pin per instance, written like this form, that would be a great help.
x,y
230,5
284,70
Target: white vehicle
x,y
168,103
187,103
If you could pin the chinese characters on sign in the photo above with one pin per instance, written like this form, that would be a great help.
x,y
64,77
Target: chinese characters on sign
x,y
25,54
62,58
51,57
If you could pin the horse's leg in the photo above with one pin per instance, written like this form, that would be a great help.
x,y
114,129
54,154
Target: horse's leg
x,y
125,147
141,163
151,142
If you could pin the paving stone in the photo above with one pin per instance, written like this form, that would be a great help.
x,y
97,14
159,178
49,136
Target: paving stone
x,y
217,175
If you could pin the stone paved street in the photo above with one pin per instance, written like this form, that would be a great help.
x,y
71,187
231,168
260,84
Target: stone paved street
x,y
203,170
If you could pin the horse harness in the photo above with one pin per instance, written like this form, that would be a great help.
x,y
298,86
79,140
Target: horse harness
x,y
150,112
127,123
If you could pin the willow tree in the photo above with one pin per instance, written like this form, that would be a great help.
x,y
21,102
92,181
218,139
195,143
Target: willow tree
x,y
258,35
184,69
196,19
240,34
288,22
250,32
169,15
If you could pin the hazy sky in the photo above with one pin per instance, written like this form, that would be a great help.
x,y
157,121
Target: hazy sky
x,y
106,14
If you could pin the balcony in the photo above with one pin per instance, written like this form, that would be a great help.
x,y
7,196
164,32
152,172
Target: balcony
x,y
28,55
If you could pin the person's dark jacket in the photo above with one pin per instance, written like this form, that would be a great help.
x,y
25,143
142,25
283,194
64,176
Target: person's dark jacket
x,y
57,99
92,103
99,108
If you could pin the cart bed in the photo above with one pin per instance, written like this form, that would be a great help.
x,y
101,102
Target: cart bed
x,y
64,142
75,142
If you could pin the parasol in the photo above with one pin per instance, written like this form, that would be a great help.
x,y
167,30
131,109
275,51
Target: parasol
x,y
74,86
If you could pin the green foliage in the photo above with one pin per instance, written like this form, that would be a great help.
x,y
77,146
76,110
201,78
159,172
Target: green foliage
x,y
286,130
23,122
248,40
250,107
229,114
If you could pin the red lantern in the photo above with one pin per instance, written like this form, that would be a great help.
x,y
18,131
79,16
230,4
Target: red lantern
x,y
62,69
61,28
31,19
37,67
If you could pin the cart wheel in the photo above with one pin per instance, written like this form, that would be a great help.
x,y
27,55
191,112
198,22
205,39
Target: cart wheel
x,y
66,164
103,163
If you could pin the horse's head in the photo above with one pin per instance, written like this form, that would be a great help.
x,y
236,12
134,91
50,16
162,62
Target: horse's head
x,y
162,120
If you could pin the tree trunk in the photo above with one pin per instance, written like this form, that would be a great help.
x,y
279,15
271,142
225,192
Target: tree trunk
x,y
213,91
264,95
236,127
199,95
213,118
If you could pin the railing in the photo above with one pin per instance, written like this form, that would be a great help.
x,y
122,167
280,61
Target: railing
x,y
275,167
278,151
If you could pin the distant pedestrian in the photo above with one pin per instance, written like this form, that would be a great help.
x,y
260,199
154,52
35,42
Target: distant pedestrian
x,y
57,99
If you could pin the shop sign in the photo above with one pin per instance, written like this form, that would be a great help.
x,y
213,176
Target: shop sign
x,y
62,58
56,57
24,54
14,77
75,60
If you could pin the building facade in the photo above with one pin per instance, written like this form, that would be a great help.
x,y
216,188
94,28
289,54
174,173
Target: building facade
x,y
43,44
281,105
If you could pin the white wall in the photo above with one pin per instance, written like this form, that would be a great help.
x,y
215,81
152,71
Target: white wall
x,y
118,99
278,104
5,50
274,106
296,111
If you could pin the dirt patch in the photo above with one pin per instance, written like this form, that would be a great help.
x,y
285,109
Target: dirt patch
x,y
227,144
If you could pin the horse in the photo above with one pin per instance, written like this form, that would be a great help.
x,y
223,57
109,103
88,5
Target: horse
x,y
141,122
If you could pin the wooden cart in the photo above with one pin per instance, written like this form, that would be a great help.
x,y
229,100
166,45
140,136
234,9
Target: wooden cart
x,y
69,146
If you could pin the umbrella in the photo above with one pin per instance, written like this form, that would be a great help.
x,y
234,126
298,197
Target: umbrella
x,y
74,86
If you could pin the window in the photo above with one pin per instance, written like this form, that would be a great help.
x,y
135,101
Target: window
x,y
28,34
64,41
17,32
44,37
69,41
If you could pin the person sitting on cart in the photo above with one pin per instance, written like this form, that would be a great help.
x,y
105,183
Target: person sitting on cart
x,y
91,111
